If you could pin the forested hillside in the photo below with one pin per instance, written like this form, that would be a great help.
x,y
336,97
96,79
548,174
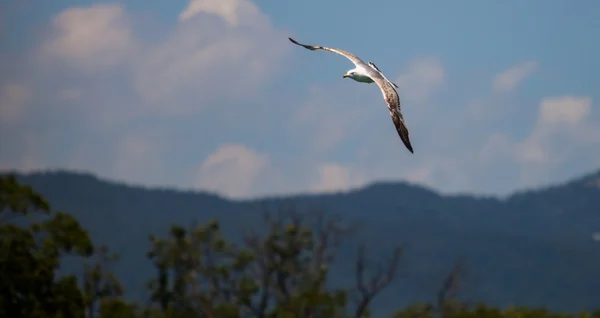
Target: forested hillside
x,y
534,248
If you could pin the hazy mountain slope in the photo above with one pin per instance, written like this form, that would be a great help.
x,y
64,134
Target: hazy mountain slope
x,y
531,248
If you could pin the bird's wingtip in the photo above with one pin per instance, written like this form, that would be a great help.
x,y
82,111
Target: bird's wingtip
x,y
403,132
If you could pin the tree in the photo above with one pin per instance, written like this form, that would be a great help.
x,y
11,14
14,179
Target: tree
x,y
99,283
280,273
447,302
30,252
116,307
447,299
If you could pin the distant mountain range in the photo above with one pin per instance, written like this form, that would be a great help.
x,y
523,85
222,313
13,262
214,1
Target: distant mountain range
x,y
533,248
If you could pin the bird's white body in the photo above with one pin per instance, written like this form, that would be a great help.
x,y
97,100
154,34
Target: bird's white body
x,y
360,75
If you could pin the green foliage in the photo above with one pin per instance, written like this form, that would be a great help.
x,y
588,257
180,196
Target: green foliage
x,y
117,307
483,311
417,310
19,199
278,274
30,256
100,285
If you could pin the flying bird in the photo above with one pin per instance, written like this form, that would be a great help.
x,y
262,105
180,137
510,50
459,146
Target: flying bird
x,y
369,73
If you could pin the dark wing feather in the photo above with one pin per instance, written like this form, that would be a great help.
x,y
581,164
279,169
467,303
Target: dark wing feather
x,y
401,129
353,58
371,64
374,66
393,102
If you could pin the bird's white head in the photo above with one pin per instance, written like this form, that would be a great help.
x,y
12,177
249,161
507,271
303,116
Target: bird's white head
x,y
351,74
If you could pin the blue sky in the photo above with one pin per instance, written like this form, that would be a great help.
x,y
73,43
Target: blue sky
x,y
210,94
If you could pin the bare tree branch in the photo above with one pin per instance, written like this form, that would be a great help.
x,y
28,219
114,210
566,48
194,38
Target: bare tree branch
x,y
383,275
452,286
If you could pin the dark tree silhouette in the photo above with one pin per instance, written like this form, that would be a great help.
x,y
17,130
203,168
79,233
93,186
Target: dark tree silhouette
x,y
278,272
30,252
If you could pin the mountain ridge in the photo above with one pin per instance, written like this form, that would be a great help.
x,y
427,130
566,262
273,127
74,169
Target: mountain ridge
x,y
531,248
592,178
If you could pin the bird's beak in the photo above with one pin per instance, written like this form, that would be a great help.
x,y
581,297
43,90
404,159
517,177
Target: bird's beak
x,y
346,75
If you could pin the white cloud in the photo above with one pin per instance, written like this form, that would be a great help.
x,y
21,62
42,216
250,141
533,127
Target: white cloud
x,y
26,164
560,119
137,158
232,170
13,99
420,175
560,134
532,151
568,109
70,94
333,177
92,37
235,12
225,55
330,115
511,78
22,152
209,69
131,156
424,77
219,55
497,145
563,136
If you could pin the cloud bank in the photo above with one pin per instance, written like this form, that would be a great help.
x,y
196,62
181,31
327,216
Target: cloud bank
x,y
218,100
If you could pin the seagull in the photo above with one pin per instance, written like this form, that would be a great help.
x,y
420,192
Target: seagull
x,y
369,73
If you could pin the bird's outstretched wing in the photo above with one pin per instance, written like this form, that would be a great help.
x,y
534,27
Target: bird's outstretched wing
x,y
387,89
371,64
353,58
393,103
